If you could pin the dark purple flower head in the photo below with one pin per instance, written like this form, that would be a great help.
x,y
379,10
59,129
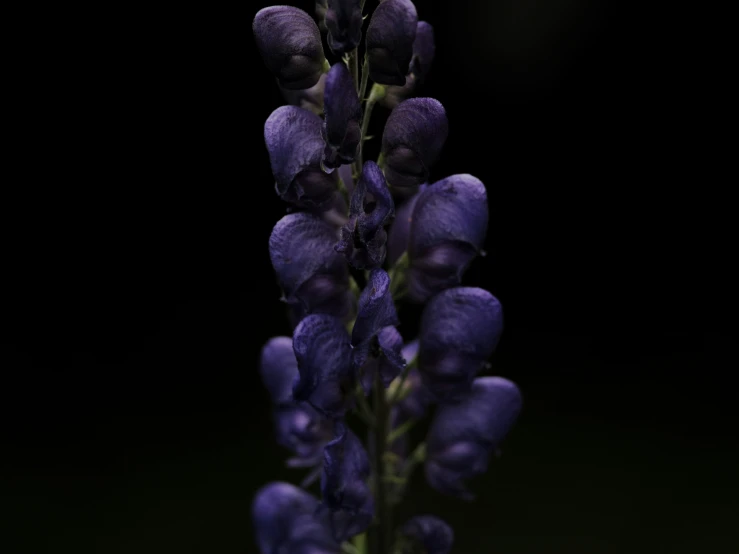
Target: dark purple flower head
x,y
464,434
313,276
414,135
290,44
310,99
341,129
295,144
459,330
346,494
428,533
344,24
448,228
363,238
390,37
323,350
400,229
284,521
424,49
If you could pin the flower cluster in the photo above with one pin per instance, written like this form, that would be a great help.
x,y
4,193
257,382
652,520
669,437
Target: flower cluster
x,y
359,237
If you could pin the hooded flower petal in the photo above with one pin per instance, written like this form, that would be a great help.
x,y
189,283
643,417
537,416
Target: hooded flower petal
x,y
424,49
313,277
344,24
310,99
363,238
290,44
390,37
341,129
430,533
450,220
284,521
414,135
344,488
459,330
400,229
376,308
464,434
383,356
323,349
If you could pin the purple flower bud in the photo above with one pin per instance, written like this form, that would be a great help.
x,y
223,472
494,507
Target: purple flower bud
x,y
390,37
464,434
344,488
459,330
313,276
344,24
310,99
341,129
424,49
290,44
323,350
414,135
285,521
363,238
384,356
448,228
400,229
430,533
295,144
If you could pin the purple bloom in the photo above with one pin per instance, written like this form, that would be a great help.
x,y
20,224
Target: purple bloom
x,y
460,329
285,521
313,277
431,534
424,50
323,350
344,488
383,355
295,144
449,223
363,238
414,135
464,434
310,99
400,229
341,129
343,19
390,37
290,44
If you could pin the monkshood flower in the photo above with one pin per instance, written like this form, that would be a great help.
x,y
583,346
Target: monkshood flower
x,y
424,49
310,99
346,494
290,44
313,276
389,42
412,140
363,238
323,349
383,356
343,19
464,434
343,111
460,329
447,231
400,229
285,521
428,533
299,427
294,139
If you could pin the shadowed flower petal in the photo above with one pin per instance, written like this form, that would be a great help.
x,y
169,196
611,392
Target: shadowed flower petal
x,y
400,229
430,533
376,308
389,43
310,99
464,434
450,220
290,44
295,144
323,350
363,238
384,356
424,49
278,368
343,20
341,129
321,8
459,330
414,135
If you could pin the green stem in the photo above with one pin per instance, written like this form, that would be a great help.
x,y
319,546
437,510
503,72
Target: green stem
x,y
400,431
360,543
381,534
365,78
354,68
397,274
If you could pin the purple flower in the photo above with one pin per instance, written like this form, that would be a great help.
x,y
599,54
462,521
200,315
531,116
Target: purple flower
x,y
323,350
290,44
390,37
383,356
343,19
344,488
431,534
310,99
363,238
424,50
449,223
295,144
284,521
400,229
414,135
313,276
459,330
341,129
464,434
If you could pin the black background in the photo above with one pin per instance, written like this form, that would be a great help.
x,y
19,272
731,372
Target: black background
x,y
138,289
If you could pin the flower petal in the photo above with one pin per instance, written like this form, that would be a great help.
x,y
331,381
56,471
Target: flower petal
x,y
341,129
400,229
310,99
303,431
344,23
278,368
424,50
390,37
384,356
376,308
431,533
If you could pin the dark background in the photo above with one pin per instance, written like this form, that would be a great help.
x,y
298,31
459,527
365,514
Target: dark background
x,y
138,289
